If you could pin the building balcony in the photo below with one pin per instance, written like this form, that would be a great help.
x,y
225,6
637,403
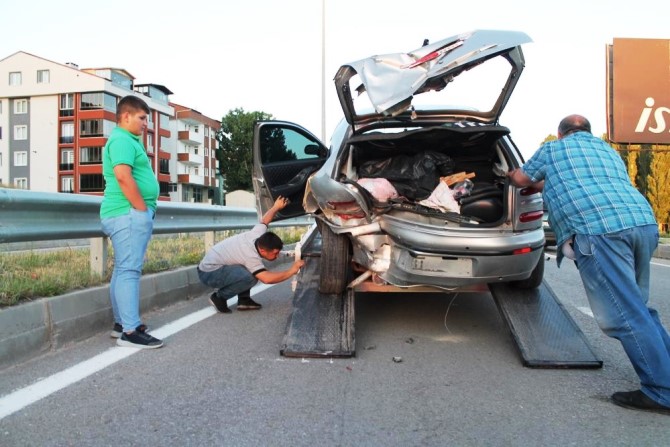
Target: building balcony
x,y
191,179
191,137
190,159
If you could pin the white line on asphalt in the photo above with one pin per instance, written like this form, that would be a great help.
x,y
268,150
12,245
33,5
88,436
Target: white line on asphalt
x,y
586,311
23,397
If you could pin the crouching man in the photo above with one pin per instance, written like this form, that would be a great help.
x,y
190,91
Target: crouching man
x,y
235,265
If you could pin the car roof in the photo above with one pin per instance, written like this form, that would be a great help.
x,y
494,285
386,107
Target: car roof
x,y
382,87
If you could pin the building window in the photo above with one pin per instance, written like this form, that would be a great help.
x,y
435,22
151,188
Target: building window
x,y
67,132
67,104
91,128
90,155
21,158
67,159
67,184
164,166
164,144
164,188
164,121
15,78
20,106
42,76
150,143
21,183
197,195
99,100
91,183
21,132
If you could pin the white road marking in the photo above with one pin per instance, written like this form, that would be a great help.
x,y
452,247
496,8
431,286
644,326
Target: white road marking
x,y
15,401
586,311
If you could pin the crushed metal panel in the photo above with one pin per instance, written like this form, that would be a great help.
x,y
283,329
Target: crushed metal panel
x,y
390,80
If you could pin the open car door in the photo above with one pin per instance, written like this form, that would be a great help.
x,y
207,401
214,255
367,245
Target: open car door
x,y
285,155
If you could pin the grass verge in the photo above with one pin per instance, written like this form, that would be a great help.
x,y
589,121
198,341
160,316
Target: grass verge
x,y
26,276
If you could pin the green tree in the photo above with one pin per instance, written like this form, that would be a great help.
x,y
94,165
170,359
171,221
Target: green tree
x,y
658,186
235,156
550,137
643,168
631,162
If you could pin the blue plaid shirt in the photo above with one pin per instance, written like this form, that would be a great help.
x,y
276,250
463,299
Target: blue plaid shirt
x,y
586,188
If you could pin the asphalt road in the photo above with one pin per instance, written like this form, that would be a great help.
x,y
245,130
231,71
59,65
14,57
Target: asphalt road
x,y
221,381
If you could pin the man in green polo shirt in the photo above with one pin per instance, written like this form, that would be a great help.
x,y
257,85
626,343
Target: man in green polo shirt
x,y
126,213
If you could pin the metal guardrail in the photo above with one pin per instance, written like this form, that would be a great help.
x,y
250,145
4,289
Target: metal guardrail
x,y
27,216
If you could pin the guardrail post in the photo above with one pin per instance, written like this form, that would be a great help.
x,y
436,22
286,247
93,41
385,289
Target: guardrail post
x,y
209,240
99,253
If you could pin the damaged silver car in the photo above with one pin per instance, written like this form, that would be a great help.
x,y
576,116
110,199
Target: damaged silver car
x,y
412,190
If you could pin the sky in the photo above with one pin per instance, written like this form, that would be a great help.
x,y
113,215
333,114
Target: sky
x,y
269,56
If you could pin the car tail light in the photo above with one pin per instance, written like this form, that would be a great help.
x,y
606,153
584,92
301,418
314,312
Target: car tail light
x,y
522,251
531,216
346,210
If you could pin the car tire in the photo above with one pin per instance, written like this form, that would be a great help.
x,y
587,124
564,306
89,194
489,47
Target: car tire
x,y
335,261
535,278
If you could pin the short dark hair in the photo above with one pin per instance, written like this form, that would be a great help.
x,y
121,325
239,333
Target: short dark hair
x,y
574,123
269,241
131,104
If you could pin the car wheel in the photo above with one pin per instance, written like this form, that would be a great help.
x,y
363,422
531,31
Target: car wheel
x,y
535,278
335,260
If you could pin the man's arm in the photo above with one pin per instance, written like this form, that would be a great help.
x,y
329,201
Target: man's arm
x,y
268,277
279,204
124,175
519,178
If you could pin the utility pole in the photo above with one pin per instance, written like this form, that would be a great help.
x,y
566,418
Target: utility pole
x,y
323,71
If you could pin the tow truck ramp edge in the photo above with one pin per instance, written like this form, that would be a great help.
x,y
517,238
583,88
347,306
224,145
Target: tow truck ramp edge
x,y
324,325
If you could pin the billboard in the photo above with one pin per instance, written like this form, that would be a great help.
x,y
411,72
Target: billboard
x,y
638,91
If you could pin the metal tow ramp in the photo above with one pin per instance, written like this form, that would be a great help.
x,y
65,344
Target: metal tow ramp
x,y
545,333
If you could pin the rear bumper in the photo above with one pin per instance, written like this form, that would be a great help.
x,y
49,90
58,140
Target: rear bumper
x,y
412,268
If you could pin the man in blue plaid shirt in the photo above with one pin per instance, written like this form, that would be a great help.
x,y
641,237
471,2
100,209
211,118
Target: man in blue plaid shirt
x,y
608,228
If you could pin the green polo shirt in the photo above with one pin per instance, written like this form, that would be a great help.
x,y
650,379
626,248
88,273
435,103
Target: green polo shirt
x,y
125,148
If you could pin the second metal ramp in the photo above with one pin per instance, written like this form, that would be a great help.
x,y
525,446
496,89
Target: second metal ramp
x,y
544,331
320,325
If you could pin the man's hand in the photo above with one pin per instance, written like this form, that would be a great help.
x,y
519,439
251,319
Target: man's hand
x,y
281,203
297,265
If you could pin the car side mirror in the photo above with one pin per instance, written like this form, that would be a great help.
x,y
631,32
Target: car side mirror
x,y
315,149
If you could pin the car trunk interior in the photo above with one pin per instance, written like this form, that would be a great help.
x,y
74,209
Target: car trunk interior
x,y
415,161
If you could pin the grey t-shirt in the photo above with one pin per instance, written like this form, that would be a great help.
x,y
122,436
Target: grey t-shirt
x,y
236,250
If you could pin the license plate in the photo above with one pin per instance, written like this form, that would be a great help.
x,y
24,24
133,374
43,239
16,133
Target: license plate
x,y
454,267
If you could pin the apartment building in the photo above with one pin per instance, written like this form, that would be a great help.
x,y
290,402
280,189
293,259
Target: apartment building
x,y
55,119
195,165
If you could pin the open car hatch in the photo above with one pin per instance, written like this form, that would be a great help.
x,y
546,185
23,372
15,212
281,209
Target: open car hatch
x,y
392,82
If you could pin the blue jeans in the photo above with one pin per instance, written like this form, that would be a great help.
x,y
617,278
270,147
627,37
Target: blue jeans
x,y
231,280
130,235
615,270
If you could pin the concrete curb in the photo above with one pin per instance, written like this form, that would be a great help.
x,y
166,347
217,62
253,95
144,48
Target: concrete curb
x,y
32,329
663,251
